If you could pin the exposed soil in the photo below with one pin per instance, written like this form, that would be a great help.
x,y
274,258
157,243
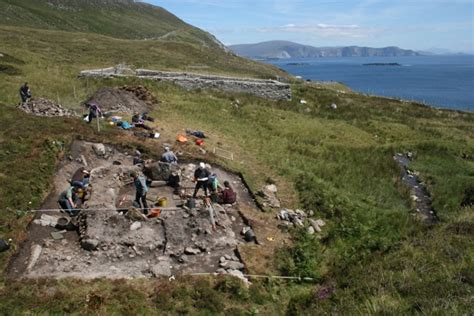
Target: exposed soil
x,y
179,241
125,99
418,192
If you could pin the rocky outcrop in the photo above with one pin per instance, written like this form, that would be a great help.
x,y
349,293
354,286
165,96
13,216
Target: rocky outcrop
x,y
268,89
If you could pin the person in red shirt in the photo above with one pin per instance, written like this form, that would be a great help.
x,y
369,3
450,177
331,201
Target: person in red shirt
x,y
227,196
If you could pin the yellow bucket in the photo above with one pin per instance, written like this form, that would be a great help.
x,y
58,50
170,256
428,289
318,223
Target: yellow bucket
x,y
163,202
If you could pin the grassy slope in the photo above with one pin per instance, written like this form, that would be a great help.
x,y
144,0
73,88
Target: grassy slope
x,y
63,55
115,18
373,252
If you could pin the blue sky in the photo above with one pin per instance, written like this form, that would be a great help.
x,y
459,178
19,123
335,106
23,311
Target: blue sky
x,y
411,24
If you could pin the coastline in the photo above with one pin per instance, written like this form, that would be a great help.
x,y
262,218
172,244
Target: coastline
x,y
435,81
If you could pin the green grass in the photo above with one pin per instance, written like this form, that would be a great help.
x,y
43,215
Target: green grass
x,y
374,254
120,19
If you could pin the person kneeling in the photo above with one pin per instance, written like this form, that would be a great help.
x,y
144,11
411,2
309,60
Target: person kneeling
x,y
227,196
68,200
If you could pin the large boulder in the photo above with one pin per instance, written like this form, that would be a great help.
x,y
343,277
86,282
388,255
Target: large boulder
x,y
158,170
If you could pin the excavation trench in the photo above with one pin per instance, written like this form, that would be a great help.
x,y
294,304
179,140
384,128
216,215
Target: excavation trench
x,y
113,241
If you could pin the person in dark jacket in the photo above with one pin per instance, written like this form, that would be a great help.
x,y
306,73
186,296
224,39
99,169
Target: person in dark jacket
x,y
141,191
25,92
137,121
137,159
228,195
94,111
201,176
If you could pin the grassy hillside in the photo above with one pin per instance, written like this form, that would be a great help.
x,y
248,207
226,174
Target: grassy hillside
x,y
30,53
373,257
116,18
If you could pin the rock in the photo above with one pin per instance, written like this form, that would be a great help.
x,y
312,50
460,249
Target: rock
x,y
135,226
240,275
161,269
316,224
99,149
271,188
268,192
300,213
310,230
235,265
47,220
89,244
44,107
334,106
298,222
159,171
35,254
221,271
192,251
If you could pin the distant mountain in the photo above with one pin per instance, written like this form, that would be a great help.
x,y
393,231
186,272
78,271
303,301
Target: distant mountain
x,y
127,19
285,49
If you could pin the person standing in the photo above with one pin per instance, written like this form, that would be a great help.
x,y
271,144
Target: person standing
x,y
141,190
201,176
25,92
94,111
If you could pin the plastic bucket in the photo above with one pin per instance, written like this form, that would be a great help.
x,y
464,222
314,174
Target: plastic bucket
x,y
163,202
191,203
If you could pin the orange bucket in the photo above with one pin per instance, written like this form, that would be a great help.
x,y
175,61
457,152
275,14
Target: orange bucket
x,y
156,212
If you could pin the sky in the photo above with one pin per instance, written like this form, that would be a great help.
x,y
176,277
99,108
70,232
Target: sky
x,y
409,24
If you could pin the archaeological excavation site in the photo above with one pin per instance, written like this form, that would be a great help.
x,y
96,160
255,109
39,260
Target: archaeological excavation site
x,y
111,238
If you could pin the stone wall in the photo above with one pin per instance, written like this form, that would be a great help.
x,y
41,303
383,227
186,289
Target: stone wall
x,y
268,89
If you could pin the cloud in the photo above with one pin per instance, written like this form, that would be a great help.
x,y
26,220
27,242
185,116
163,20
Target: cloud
x,y
324,30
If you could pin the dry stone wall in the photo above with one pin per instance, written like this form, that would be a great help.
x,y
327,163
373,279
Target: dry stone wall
x,y
268,89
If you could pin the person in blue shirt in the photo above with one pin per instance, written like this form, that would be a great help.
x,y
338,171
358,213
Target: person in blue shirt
x,y
141,190
169,156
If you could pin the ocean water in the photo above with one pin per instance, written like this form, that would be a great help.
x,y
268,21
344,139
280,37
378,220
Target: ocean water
x,y
440,81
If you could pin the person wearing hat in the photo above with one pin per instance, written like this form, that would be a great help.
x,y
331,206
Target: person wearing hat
x,y
141,190
68,199
80,178
228,195
169,156
201,176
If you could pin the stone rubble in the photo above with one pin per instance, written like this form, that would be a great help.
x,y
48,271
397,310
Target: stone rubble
x,y
44,107
299,217
268,89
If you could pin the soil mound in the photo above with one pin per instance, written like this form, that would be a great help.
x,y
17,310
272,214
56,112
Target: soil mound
x,y
125,99
44,107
